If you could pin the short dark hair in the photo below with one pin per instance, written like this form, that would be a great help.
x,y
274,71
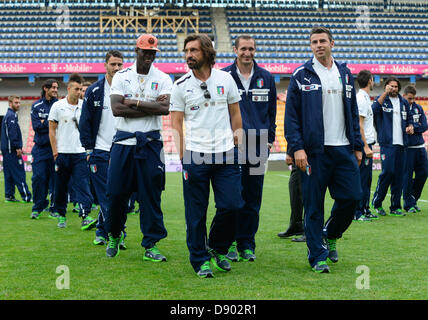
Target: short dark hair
x,y
320,29
75,77
363,78
206,46
243,37
410,89
114,53
86,83
47,85
387,81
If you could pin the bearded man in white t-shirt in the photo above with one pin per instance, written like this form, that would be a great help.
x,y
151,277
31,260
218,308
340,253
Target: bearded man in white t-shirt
x,y
206,100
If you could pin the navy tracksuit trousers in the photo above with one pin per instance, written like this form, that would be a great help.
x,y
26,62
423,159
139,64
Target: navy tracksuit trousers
x,y
416,161
43,183
72,165
335,169
225,178
14,175
366,174
146,176
393,160
98,170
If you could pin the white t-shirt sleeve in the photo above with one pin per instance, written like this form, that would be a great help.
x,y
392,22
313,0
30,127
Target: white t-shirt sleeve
x,y
53,113
233,95
166,85
177,102
362,106
117,85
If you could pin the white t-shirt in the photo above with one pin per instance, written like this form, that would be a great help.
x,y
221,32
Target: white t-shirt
x,y
131,85
67,134
332,105
245,82
365,111
106,130
397,131
207,121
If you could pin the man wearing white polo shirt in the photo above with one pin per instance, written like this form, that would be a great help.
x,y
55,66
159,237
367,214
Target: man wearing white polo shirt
x,y
139,97
207,100
69,155
365,81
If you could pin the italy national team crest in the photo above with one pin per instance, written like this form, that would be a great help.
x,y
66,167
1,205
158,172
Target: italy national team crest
x,y
220,90
185,175
260,83
93,168
382,157
155,85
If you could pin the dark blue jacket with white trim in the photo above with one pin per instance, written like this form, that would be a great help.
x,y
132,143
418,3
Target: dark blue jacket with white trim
x,y
90,118
39,121
383,120
304,124
11,137
419,121
258,106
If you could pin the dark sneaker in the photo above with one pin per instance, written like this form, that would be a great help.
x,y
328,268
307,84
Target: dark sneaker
x,y
321,267
219,261
380,211
122,245
247,255
12,200
76,208
88,223
363,218
35,215
232,254
53,215
417,209
397,213
412,210
205,271
153,254
371,216
113,247
100,241
62,222
332,252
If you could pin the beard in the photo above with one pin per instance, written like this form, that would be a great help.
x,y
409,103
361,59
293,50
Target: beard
x,y
193,64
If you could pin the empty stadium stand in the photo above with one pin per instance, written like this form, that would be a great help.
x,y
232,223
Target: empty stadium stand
x,y
365,32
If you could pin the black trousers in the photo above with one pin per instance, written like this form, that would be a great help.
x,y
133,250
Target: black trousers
x,y
296,200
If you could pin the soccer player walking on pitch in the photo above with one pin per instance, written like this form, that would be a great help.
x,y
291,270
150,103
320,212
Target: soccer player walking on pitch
x,y
206,100
69,155
323,132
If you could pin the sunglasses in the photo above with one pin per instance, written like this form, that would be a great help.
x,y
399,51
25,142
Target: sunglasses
x,y
206,92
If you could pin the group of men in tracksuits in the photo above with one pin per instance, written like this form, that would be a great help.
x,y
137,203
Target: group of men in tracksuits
x,y
321,127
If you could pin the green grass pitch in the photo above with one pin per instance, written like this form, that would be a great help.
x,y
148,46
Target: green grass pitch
x,y
392,252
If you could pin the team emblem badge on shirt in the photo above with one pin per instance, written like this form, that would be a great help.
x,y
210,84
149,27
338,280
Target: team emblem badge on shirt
x,y
185,175
155,85
220,90
260,83
93,168
382,156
